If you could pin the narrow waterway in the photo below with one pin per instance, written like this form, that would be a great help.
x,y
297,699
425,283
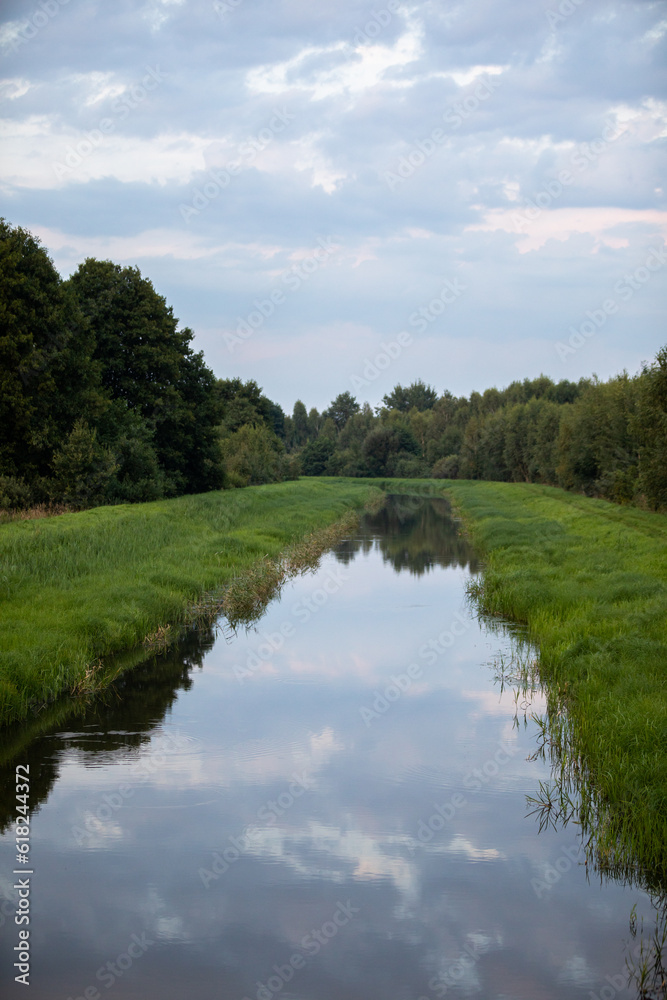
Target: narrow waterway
x,y
329,807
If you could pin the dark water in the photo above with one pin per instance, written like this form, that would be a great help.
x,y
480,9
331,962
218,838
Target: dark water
x,y
331,807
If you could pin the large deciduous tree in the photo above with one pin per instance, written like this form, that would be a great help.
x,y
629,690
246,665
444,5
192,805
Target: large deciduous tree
x,y
46,375
147,364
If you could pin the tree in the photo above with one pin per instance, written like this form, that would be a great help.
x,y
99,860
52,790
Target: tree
x,y
254,454
650,426
244,403
316,455
315,421
342,408
300,424
146,362
137,342
46,374
384,446
419,395
186,434
82,468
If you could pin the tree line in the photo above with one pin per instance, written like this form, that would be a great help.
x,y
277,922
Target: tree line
x,y
605,439
103,400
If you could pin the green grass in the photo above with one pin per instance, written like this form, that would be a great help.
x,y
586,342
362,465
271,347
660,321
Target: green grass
x,y
589,581
80,586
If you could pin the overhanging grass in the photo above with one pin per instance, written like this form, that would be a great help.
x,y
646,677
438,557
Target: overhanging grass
x,y
80,586
589,580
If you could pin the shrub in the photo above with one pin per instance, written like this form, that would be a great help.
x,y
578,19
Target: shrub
x,y
15,494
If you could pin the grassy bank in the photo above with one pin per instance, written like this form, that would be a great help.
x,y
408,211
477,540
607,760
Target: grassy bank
x,y
589,580
77,587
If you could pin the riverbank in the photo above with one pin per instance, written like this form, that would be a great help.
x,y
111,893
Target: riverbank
x,y
589,581
77,587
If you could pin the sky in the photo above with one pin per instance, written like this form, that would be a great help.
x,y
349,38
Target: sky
x,y
349,195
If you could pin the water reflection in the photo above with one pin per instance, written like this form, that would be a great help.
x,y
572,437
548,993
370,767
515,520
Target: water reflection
x,y
331,806
413,533
123,718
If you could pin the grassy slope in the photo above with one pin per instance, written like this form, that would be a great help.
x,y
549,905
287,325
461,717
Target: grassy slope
x,y
590,581
78,586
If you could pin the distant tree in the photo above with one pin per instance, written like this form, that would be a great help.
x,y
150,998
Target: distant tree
x,y
418,395
315,456
277,418
315,421
383,447
328,429
342,408
245,403
597,449
300,424
650,426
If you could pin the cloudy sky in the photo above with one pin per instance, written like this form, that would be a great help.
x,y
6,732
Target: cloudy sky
x,y
467,192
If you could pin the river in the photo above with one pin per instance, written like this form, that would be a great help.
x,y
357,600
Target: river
x,y
330,806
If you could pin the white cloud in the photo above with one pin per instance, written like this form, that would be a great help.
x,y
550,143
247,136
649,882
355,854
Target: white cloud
x,y
605,225
10,90
352,68
46,155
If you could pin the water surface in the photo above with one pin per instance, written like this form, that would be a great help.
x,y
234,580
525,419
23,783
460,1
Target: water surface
x,y
329,807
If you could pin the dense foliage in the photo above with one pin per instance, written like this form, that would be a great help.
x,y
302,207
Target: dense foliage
x,y
605,439
103,400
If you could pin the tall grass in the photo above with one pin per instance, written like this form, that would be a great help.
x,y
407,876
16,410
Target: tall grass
x,y
77,587
589,582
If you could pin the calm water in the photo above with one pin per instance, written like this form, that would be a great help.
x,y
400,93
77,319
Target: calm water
x,y
331,807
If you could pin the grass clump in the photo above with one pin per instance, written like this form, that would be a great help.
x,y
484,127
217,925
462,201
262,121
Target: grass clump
x,y
80,586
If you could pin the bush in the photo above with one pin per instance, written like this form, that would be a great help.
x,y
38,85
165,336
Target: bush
x,y
315,456
409,467
255,455
82,469
15,494
446,468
